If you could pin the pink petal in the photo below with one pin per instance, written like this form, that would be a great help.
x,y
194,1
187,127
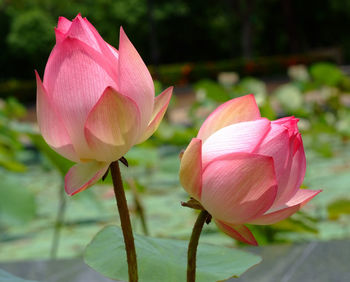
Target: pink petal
x,y
296,172
234,111
238,187
51,125
83,30
238,232
135,80
114,51
112,126
105,48
291,123
191,168
76,76
59,36
238,137
286,210
276,145
63,25
161,103
83,175
80,30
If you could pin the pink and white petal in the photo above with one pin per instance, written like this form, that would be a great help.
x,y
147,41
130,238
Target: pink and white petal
x,y
236,110
63,25
135,81
296,172
239,232
76,76
114,51
286,210
238,187
276,145
83,175
51,125
113,126
238,137
191,168
161,103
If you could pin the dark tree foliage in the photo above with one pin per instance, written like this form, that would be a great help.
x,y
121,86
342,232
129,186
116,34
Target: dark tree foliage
x,y
176,31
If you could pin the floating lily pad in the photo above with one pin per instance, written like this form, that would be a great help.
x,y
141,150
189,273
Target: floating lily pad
x,y
164,259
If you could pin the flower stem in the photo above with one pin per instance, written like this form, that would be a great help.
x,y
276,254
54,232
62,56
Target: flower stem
x,y
138,204
59,223
125,221
192,246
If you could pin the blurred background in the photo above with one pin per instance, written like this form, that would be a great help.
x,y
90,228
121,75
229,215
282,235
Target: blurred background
x,y
292,55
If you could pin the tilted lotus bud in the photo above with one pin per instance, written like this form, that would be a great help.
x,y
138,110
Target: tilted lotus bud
x,y
243,168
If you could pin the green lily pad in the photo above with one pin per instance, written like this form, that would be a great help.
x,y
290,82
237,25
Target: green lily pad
x,y
17,205
164,259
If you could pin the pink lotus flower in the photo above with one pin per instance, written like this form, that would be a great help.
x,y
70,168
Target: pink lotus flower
x,y
246,169
95,102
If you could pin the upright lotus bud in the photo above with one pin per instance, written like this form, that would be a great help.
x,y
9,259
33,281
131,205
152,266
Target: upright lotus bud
x,y
243,168
95,102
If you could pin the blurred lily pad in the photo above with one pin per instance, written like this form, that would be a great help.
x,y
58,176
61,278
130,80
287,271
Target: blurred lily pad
x,y
160,258
337,208
17,205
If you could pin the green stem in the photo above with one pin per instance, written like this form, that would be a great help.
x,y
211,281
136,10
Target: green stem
x,y
125,221
138,204
192,246
59,223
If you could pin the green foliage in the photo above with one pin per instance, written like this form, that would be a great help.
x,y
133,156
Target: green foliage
x,y
337,208
299,223
13,109
17,205
142,156
326,74
266,109
9,138
61,163
212,90
251,85
159,258
31,33
177,135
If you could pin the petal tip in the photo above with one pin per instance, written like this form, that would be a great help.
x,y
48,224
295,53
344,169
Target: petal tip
x,y
36,74
83,175
122,35
316,192
39,82
61,18
238,232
